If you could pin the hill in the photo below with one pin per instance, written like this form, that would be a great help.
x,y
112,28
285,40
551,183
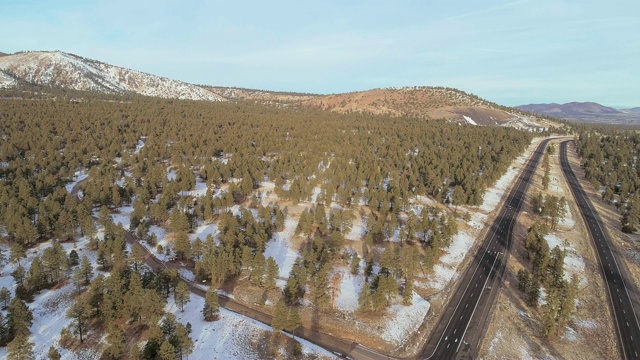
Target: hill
x,y
261,96
59,69
418,102
55,69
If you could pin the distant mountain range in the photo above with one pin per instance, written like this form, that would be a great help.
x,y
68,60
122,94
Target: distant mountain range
x,y
53,69
585,112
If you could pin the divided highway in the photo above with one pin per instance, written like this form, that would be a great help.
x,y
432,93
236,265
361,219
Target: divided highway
x,y
460,329
613,269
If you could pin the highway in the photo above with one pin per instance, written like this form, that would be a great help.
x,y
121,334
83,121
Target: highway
x,y
460,328
614,271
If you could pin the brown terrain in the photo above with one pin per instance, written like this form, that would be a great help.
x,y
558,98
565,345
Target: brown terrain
x,y
416,102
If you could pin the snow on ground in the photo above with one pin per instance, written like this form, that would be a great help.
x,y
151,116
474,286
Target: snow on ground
x,y
204,230
570,334
161,235
405,319
186,274
573,263
350,288
230,337
493,195
445,270
478,221
79,176
358,230
123,216
568,221
139,146
49,306
200,190
469,120
279,248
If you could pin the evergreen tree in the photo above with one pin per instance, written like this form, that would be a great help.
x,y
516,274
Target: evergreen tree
x,y
364,298
20,348
279,319
54,354
86,270
355,264
19,318
166,351
183,246
407,295
5,297
182,295
211,309
80,313
73,258
116,339
272,273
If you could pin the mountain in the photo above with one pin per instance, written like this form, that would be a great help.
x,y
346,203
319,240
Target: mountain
x,y
571,109
59,69
262,96
3,54
69,71
590,112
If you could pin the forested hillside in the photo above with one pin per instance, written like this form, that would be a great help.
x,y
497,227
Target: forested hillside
x,y
177,165
610,160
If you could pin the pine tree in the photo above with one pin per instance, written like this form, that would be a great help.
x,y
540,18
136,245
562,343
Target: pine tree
x,y
279,319
116,339
181,340
166,351
294,320
17,252
73,258
355,264
182,295
53,353
320,296
336,281
258,269
272,273
364,298
5,297
19,318
407,295
20,348
80,313
211,309
137,256
182,246
86,269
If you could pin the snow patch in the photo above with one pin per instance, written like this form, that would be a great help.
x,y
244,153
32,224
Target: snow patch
x,y
445,271
405,319
469,120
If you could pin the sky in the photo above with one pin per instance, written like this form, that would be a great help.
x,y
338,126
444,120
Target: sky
x,y
509,52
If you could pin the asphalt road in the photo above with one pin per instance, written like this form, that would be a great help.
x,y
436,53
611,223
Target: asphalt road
x,y
460,328
616,276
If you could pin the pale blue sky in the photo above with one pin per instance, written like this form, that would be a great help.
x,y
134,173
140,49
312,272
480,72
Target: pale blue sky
x,y
510,52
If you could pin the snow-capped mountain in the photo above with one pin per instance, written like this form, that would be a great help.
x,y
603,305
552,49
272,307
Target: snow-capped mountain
x,y
70,71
